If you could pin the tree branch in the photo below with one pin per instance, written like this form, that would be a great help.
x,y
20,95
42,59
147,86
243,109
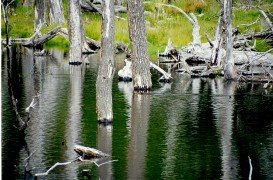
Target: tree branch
x,y
55,165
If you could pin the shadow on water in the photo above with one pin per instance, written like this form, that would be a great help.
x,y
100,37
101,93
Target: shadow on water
x,y
188,129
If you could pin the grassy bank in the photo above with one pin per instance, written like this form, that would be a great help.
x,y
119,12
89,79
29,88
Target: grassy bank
x,y
162,23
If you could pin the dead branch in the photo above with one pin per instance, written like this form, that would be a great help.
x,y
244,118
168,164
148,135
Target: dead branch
x,y
166,76
252,23
32,104
55,165
209,40
95,161
267,20
251,169
37,31
193,20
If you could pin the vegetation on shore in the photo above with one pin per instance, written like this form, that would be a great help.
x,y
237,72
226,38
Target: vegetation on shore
x,y
162,23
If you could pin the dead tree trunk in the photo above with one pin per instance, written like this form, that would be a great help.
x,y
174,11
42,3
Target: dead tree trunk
x,y
56,14
106,67
194,22
229,71
217,51
39,13
137,31
74,31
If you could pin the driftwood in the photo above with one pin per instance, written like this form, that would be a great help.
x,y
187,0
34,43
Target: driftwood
x,y
87,152
243,60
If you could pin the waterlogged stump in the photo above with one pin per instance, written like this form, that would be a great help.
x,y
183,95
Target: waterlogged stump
x,y
88,153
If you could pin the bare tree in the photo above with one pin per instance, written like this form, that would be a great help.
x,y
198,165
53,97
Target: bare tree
x,y
75,31
140,63
106,68
56,14
229,71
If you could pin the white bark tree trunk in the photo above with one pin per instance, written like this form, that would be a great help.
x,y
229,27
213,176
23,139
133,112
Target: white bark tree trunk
x,y
74,30
106,68
195,30
140,61
56,14
216,55
229,71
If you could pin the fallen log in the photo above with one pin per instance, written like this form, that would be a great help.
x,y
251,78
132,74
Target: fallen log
x,y
263,34
41,40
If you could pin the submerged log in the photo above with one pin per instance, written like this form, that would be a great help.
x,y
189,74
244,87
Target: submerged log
x,y
87,152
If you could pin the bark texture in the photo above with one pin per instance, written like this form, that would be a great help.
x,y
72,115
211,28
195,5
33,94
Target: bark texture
x,y
229,72
137,31
39,10
106,67
56,14
74,30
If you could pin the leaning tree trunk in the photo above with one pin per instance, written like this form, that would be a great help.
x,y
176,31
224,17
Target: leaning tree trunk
x,y
56,14
39,13
229,71
74,31
137,31
106,67
216,54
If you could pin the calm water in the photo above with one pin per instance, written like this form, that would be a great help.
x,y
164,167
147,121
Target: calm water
x,y
189,129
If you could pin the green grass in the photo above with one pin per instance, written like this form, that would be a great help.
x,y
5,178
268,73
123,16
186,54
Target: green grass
x,y
162,23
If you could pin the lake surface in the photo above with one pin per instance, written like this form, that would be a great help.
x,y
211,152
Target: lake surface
x,y
188,129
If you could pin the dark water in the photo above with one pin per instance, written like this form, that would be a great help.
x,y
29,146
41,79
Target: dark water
x,y
189,129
